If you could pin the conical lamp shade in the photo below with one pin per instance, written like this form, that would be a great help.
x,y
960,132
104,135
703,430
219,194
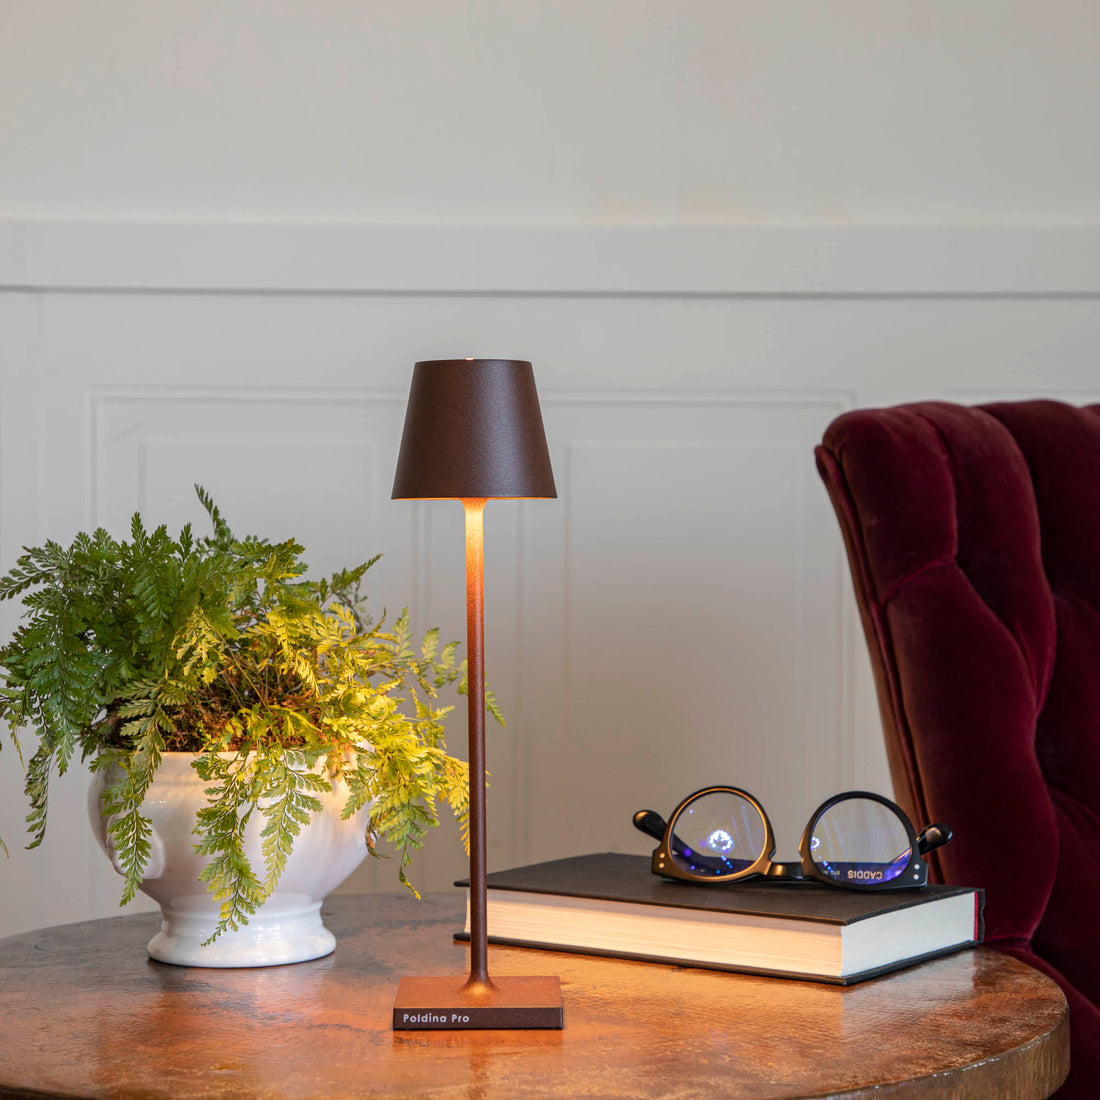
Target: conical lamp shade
x,y
473,429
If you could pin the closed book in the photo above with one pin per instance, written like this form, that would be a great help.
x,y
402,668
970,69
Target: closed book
x,y
611,904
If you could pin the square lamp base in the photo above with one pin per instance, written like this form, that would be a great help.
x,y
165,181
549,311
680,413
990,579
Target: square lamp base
x,y
441,1004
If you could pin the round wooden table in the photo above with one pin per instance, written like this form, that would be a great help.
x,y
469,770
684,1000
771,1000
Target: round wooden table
x,y
87,1014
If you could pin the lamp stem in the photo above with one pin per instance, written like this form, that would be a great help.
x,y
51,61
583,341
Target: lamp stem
x,y
479,980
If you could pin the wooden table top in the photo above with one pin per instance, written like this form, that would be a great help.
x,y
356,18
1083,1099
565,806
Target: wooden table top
x,y
87,1014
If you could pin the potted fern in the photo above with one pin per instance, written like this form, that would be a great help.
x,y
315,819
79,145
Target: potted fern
x,y
240,721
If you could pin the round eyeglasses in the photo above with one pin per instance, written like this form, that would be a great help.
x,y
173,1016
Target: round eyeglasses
x,y
857,840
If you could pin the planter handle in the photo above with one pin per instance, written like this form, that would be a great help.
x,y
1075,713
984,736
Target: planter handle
x,y
154,868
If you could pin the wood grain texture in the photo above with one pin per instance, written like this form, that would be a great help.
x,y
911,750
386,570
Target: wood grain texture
x,y
87,1014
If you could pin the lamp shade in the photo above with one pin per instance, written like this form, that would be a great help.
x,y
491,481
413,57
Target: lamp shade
x,y
473,429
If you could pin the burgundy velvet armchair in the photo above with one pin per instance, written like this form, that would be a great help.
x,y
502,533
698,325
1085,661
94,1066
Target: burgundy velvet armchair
x,y
973,536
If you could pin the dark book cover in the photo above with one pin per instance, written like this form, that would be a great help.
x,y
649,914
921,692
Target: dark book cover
x,y
615,877
611,876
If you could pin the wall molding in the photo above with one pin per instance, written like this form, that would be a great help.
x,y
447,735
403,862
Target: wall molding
x,y
329,258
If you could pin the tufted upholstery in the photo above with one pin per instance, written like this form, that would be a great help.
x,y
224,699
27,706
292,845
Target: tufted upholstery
x,y
973,535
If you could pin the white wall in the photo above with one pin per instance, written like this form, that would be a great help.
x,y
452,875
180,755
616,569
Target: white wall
x,y
228,230
591,111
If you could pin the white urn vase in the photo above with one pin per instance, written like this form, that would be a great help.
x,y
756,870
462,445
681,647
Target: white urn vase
x,y
287,928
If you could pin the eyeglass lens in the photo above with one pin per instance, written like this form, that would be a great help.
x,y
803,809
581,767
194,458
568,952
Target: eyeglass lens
x,y
719,833
859,840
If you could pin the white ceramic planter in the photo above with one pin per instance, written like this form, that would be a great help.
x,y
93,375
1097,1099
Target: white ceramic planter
x,y
287,928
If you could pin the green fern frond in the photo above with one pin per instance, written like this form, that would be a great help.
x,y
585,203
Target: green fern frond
x,y
37,788
287,808
221,528
130,831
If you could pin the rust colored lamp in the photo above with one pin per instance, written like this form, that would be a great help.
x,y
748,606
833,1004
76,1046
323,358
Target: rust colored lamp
x,y
473,432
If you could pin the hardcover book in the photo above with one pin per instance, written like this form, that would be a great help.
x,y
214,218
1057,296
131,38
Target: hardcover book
x,y
611,904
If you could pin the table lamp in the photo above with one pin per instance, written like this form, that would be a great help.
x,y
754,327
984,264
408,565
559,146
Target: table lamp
x,y
473,432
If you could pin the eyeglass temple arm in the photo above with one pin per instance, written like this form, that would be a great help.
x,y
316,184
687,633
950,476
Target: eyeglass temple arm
x,y
932,837
651,823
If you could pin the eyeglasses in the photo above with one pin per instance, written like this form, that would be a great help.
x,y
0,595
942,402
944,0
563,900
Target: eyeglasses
x,y
857,840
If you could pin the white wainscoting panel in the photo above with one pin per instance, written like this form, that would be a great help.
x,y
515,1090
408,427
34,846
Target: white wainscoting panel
x,y
319,451
697,612
681,614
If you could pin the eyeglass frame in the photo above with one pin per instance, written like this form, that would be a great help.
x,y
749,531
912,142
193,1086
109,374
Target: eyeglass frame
x,y
931,837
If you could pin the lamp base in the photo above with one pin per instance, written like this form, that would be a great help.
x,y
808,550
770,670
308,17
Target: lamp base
x,y
443,1004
